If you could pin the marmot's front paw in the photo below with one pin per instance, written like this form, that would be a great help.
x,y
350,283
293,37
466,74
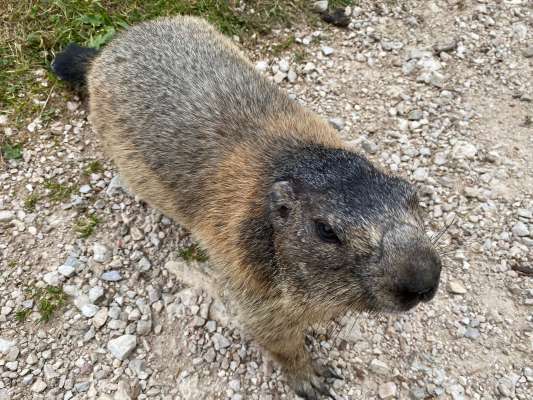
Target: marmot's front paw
x,y
311,387
314,384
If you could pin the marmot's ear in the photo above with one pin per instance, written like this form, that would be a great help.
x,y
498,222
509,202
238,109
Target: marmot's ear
x,y
281,200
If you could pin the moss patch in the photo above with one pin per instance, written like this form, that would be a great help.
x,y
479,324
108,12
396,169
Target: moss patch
x,y
85,226
194,253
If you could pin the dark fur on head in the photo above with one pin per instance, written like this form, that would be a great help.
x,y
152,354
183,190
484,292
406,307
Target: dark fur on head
x,y
378,248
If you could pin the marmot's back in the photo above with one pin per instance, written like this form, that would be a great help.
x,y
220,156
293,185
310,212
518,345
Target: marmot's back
x,y
169,98
180,70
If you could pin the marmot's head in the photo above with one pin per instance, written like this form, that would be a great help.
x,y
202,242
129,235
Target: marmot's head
x,y
347,235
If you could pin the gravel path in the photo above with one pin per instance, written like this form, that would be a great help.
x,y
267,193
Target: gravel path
x,y
439,92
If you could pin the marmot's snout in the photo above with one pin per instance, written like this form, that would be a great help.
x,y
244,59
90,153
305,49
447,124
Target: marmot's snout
x,y
412,264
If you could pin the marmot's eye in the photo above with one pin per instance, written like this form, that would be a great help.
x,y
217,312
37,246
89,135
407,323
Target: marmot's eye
x,y
326,233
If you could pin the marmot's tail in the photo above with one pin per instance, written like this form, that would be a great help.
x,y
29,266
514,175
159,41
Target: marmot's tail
x,y
72,64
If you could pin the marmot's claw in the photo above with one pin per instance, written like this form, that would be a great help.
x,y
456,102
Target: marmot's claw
x,y
330,373
312,388
327,372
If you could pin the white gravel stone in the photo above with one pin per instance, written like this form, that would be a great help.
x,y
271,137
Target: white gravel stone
x,y
309,67
338,123
52,278
96,293
280,77
283,65
111,276
456,287
89,310
440,158
220,341
100,318
6,216
457,392
101,253
291,76
6,345
39,386
387,390
235,385
144,327
262,66
320,6
84,189
122,346
379,367
327,51
116,186
464,150
520,229
66,270
72,106
420,174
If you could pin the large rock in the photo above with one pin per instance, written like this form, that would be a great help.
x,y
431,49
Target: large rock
x,y
122,346
387,390
379,367
6,345
6,216
520,229
456,287
191,274
116,186
463,150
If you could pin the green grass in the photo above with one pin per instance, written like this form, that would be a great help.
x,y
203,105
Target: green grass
x,y
279,48
332,4
58,192
93,167
33,31
12,151
299,55
48,300
30,202
22,314
12,263
85,226
193,253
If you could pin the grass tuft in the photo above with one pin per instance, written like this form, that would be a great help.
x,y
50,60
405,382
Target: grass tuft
x,y
284,45
58,192
48,299
194,253
30,202
85,226
93,167
22,314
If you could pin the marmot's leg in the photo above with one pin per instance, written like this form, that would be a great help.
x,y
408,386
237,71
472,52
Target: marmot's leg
x,y
305,377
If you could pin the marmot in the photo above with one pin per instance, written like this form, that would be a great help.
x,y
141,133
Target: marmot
x,y
301,228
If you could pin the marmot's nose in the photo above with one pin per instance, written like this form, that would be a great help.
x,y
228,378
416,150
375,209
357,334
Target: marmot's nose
x,y
420,279
417,291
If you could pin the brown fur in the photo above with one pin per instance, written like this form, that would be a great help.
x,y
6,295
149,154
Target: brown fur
x,y
215,146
